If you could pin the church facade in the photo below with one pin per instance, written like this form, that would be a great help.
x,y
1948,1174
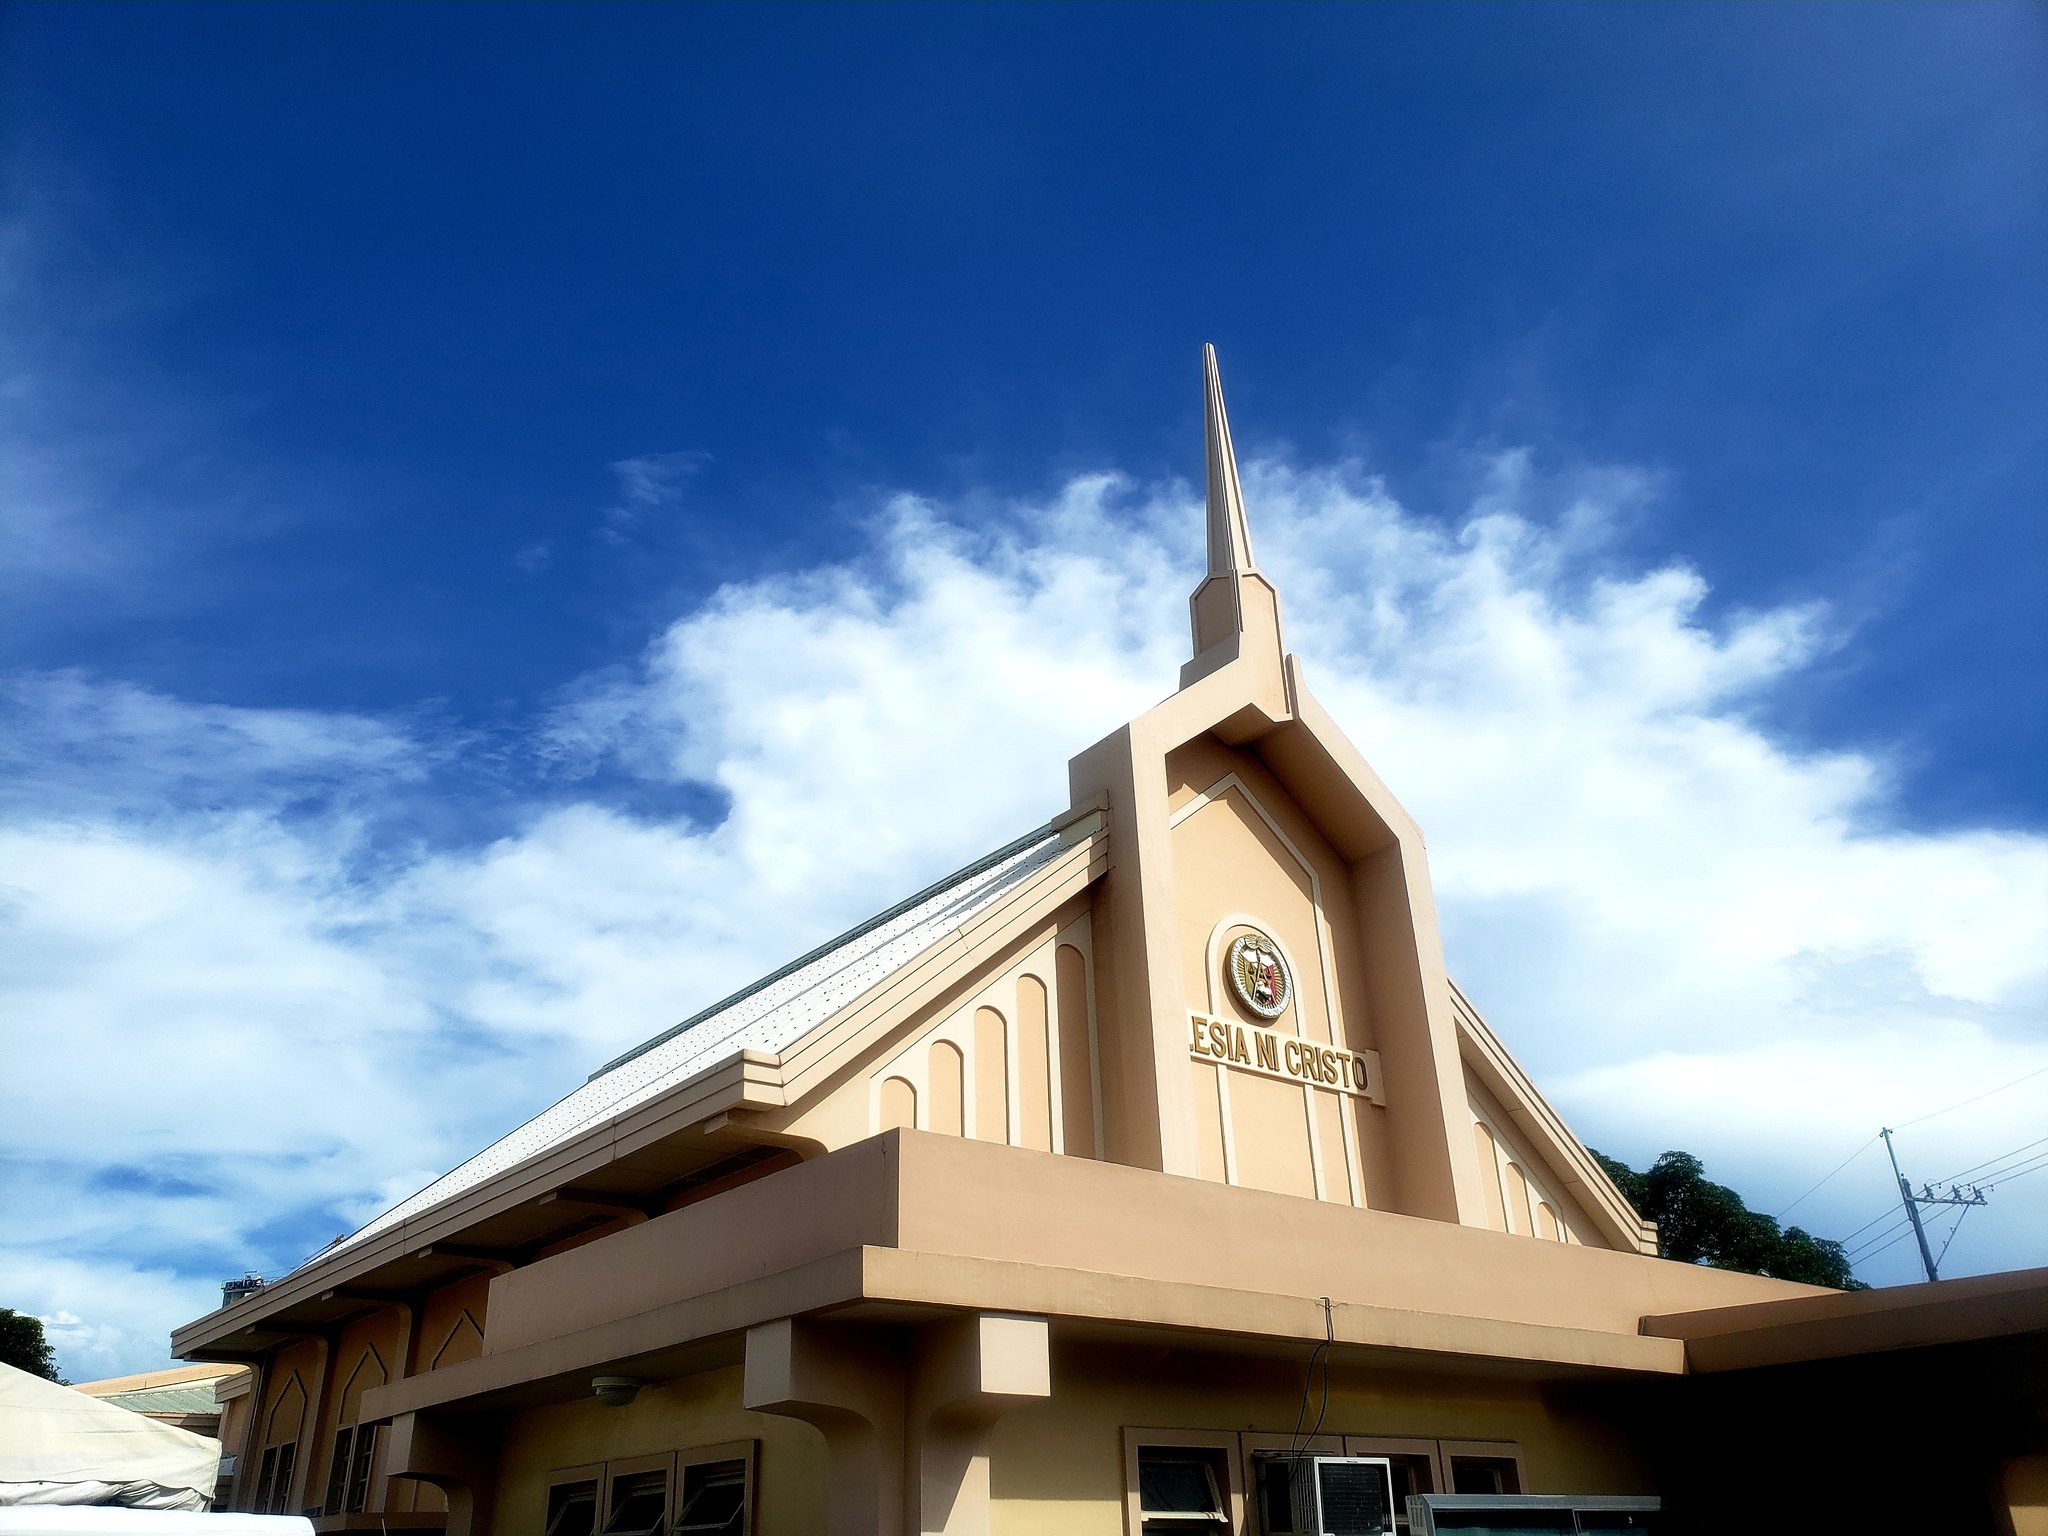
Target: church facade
x,y
1150,1174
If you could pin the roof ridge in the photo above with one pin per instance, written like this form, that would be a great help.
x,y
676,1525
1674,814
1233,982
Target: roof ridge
x,y
979,866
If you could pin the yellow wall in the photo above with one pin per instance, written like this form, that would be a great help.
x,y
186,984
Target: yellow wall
x,y
1057,1468
675,1415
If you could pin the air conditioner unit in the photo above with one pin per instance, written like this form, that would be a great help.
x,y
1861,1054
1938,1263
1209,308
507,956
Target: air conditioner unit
x,y
1342,1495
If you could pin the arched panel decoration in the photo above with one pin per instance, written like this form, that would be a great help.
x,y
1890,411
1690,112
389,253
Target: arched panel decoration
x,y
1077,1072
465,1341
1519,1218
991,1077
1489,1176
899,1105
947,1076
367,1372
287,1412
1547,1224
1034,1065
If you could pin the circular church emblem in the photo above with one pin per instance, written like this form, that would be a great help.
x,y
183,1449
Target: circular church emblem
x,y
1258,975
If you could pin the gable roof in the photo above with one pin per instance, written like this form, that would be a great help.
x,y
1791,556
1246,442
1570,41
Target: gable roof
x,y
769,1015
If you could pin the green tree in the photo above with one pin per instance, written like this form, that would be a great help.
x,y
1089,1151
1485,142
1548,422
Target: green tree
x,y
1700,1222
23,1346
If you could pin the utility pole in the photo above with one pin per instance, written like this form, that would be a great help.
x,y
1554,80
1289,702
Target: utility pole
x,y
1955,1196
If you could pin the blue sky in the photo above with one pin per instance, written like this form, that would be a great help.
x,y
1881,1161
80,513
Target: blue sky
x,y
401,403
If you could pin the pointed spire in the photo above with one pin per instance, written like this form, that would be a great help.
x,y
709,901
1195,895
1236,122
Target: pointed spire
x,y
1234,602
1230,539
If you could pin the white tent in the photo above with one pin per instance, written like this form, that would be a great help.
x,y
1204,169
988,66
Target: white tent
x,y
58,1446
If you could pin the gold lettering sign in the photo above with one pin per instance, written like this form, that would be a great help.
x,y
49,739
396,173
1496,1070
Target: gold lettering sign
x,y
1249,1048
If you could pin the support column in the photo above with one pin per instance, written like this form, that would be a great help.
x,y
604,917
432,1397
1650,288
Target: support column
x,y
968,1373
408,1309
251,1447
846,1381
308,1445
427,1448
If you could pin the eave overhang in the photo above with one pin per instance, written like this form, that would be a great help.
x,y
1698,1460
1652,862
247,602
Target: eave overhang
x,y
910,1226
693,1131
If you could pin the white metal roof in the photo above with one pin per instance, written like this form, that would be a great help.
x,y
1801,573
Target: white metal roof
x,y
768,1016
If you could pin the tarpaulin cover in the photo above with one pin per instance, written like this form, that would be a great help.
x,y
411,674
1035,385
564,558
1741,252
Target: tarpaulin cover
x,y
58,1446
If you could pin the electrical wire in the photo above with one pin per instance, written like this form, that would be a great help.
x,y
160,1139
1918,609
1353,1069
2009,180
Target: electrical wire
x,y
1321,1353
2022,1153
1845,1162
1899,1218
2015,1173
1889,1211
1960,1103
1880,1242
1876,1251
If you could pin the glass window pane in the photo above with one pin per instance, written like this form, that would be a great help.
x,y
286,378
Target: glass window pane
x,y
1276,1511
714,1500
1177,1483
281,1493
638,1514
572,1509
1484,1474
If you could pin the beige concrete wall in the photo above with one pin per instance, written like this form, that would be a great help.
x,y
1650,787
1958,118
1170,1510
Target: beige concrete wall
x,y
959,1197
1246,854
1007,1056
1001,1064
1502,1153
364,1356
945,1195
676,1415
446,1321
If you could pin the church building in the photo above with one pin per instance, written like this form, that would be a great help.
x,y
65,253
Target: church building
x,y
1148,1175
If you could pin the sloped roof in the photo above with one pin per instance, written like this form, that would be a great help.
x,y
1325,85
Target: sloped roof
x,y
192,1397
768,1016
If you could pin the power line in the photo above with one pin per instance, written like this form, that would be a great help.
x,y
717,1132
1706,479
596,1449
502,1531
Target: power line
x,y
2010,1175
1881,1240
1990,1160
2024,1077
1955,1196
1904,1233
1880,1216
1897,1224
1845,1162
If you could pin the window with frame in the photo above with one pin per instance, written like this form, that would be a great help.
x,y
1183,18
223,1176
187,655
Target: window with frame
x,y
274,1478
1484,1474
572,1508
639,1504
713,1499
1181,1490
348,1475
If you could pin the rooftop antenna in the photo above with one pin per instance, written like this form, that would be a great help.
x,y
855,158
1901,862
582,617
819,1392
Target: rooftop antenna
x,y
1958,1194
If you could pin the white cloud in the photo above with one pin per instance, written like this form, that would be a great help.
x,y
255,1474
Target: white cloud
x,y
649,483
1696,934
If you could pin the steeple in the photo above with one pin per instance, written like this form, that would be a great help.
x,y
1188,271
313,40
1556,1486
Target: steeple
x,y
1234,607
1230,541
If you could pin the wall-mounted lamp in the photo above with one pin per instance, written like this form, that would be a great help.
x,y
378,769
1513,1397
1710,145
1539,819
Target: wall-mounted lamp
x,y
616,1391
